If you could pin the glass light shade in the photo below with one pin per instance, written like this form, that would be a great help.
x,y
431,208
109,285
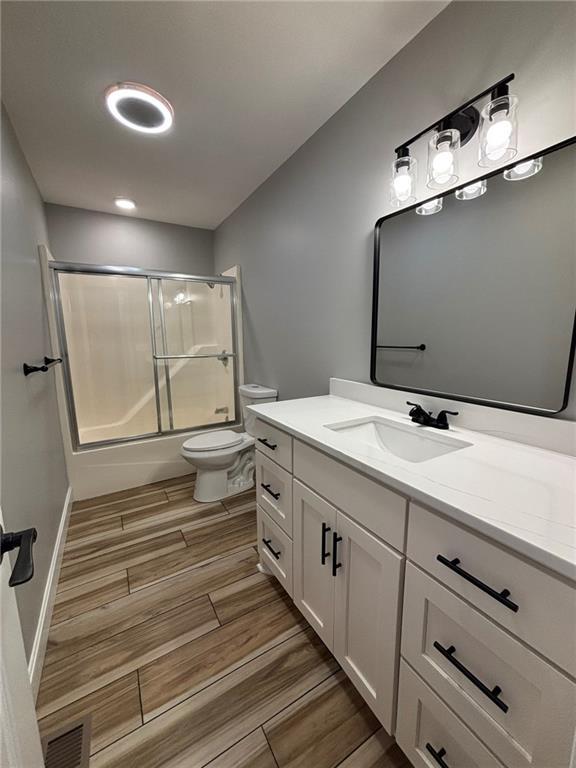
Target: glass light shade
x,y
443,159
498,131
403,184
524,170
432,206
476,189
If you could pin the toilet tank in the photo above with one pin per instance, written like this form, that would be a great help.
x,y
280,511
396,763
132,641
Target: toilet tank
x,y
254,394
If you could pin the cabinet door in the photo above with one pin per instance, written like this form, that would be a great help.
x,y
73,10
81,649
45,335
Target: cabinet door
x,y
314,524
366,615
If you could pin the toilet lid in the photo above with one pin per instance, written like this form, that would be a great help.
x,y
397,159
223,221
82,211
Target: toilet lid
x,y
213,441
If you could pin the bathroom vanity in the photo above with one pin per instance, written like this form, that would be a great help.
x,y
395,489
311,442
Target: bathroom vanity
x,y
438,567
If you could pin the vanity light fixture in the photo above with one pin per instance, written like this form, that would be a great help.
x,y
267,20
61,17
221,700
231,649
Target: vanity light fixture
x,y
443,158
139,107
125,203
403,184
498,143
498,128
432,206
524,170
476,189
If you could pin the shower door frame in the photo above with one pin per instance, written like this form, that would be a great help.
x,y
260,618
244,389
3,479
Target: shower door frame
x,y
149,275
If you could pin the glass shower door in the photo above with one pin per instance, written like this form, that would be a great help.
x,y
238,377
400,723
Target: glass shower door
x,y
109,356
195,354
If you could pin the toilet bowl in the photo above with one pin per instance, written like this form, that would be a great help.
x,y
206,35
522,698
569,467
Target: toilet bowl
x,y
224,459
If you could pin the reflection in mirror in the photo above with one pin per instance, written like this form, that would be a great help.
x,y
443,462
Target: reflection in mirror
x,y
488,286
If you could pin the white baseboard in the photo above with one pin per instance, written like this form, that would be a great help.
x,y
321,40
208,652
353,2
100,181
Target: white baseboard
x,y
41,638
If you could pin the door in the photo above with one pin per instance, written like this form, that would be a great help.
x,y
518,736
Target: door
x,y
366,620
195,352
314,526
19,736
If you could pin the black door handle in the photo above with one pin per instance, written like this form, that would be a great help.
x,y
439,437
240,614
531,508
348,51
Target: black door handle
x,y
268,544
24,566
269,490
324,553
335,563
492,694
437,755
265,442
502,597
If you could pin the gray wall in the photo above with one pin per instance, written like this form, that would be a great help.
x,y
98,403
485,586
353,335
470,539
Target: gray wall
x,y
34,481
304,238
92,237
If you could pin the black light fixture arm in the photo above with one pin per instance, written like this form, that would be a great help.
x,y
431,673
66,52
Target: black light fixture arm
x,y
498,89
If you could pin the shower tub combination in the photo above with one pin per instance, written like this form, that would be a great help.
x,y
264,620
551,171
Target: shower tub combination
x,y
146,353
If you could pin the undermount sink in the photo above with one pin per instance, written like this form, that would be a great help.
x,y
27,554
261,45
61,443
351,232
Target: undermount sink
x,y
407,441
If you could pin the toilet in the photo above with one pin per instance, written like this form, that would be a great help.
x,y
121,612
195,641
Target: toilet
x,y
224,459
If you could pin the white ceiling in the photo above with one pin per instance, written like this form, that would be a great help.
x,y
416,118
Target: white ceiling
x,y
250,82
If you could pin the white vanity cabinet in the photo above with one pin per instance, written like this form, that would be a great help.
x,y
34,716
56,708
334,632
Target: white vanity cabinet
x,y
345,578
347,584
464,649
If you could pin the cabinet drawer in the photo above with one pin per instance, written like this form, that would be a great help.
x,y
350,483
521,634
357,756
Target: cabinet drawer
x,y
274,443
275,549
430,733
372,505
274,491
543,601
512,699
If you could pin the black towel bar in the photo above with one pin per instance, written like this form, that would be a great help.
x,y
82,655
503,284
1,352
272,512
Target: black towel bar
x,y
421,347
49,362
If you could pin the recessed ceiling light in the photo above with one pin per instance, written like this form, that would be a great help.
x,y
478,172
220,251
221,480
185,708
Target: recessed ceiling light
x,y
125,203
139,107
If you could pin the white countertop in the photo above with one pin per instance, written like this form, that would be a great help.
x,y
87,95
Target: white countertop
x,y
521,496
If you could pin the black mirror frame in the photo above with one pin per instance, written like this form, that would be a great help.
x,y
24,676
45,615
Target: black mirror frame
x,y
375,299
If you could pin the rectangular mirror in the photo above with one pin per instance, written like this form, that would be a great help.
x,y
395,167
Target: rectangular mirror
x,y
488,287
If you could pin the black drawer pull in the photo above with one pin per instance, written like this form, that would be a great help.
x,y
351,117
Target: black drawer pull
x,y
268,544
335,563
269,490
438,755
502,597
324,553
265,442
492,694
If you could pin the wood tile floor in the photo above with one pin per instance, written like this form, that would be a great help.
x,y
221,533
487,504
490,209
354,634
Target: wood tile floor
x,y
184,654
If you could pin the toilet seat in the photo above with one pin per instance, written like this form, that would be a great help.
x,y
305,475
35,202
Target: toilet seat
x,y
213,441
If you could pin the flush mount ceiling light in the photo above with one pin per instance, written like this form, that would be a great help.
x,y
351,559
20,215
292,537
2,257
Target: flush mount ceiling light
x,y
443,158
125,203
476,189
403,185
139,107
432,206
524,170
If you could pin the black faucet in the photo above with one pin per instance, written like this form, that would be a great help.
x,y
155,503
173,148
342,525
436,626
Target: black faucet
x,y
420,416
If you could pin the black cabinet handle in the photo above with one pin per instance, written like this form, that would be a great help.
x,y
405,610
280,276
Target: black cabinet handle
x,y
324,554
437,755
268,544
265,442
335,563
502,597
269,490
491,694
24,565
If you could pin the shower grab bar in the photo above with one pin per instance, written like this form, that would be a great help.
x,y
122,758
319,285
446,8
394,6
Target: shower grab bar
x,y
49,362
